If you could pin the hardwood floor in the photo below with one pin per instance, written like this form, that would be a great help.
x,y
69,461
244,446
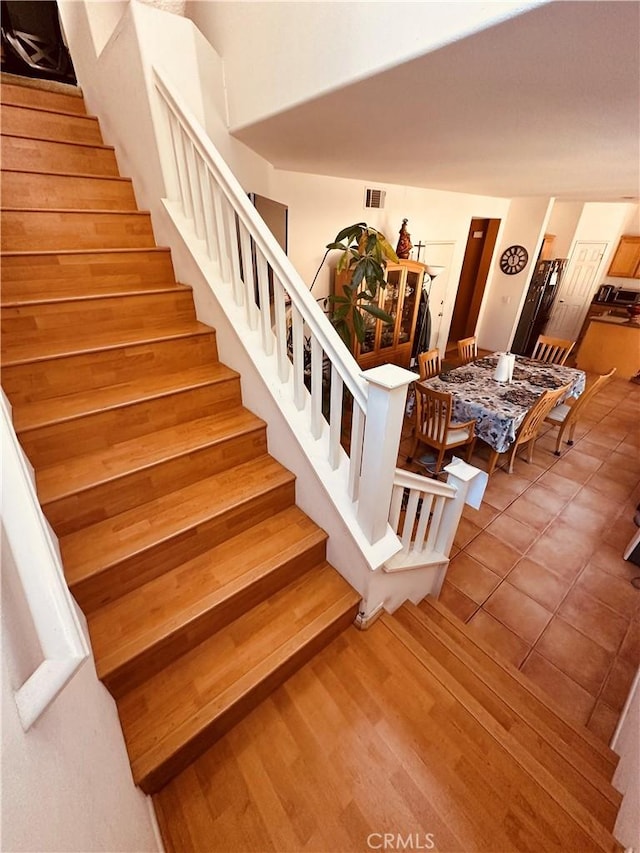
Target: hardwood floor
x,y
365,740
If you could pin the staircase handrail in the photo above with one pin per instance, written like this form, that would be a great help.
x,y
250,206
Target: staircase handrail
x,y
53,612
298,292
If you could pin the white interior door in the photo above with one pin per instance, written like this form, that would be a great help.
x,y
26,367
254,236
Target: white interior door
x,y
576,291
439,254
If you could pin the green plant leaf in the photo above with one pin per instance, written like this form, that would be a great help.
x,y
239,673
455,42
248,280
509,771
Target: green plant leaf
x,y
358,325
378,313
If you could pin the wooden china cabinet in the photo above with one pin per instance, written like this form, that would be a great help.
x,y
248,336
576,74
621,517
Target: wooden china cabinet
x,y
391,342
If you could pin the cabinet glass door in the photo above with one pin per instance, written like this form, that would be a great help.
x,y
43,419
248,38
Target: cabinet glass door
x,y
389,304
369,342
411,292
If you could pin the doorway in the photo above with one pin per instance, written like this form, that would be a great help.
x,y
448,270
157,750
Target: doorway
x,y
473,277
576,290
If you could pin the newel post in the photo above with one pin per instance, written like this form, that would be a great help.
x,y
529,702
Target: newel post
x,y
469,483
383,427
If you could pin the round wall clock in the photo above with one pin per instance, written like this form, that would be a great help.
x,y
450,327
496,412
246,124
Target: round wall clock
x,y
513,260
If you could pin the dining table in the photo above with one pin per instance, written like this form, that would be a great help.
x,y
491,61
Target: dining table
x,y
499,408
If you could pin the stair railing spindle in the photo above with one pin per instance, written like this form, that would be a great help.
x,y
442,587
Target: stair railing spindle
x,y
335,417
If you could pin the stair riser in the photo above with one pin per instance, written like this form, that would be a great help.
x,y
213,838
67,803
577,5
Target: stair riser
x,y
48,156
52,276
23,230
54,443
604,810
134,571
33,190
39,124
45,380
537,708
186,637
92,505
151,782
26,96
59,321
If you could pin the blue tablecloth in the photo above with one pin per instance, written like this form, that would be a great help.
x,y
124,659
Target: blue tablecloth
x,y
499,408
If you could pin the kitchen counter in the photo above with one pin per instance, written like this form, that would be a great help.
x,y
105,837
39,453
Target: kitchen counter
x,y
610,342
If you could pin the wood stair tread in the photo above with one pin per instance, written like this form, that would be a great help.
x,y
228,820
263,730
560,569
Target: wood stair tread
x,y
92,340
576,813
83,472
59,174
592,789
591,749
177,704
93,549
30,300
49,110
125,628
43,412
109,250
57,141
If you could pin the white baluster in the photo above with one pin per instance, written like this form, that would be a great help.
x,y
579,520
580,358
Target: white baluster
x,y
207,210
298,359
265,303
223,253
282,343
196,193
434,528
317,356
251,309
183,172
396,507
409,519
335,417
423,524
355,450
234,252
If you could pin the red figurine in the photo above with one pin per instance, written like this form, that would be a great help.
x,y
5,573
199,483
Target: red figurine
x,y
404,243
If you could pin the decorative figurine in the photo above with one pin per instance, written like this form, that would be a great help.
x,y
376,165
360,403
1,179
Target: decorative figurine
x,y
404,243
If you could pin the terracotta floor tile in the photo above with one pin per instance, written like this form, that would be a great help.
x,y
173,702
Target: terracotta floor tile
x,y
590,448
469,576
513,532
573,699
482,516
619,533
508,645
569,469
582,517
594,619
563,549
561,486
618,683
630,648
457,602
544,586
613,591
614,489
531,470
504,488
595,500
515,609
545,498
466,531
610,560
603,721
493,553
600,435
530,513
577,656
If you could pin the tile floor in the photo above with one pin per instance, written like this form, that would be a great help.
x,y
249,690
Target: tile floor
x,y
538,571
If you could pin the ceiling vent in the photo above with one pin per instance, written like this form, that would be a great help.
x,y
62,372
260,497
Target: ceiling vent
x,y
374,198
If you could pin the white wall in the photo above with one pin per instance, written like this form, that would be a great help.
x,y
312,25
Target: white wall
x,y
627,776
525,225
66,783
563,222
607,222
278,54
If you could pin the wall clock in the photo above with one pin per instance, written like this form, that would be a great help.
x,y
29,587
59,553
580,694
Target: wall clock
x,y
513,260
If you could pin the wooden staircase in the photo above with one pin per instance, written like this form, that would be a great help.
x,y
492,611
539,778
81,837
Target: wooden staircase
x,y
203,584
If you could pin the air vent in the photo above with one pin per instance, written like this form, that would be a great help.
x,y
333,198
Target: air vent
x,y
374,198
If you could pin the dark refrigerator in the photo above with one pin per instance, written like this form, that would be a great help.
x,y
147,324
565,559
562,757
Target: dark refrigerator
x,y
538,304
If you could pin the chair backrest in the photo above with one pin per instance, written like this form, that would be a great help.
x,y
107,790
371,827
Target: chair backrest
x,y
534,418
467,349
433,414
552,350
429,364
587,396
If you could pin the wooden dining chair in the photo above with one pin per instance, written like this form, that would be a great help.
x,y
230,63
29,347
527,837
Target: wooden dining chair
x,y
566,415
429,364
435,428
552,350
530,426
467,350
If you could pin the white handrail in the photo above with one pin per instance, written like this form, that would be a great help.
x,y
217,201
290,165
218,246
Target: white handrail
x,y
53,611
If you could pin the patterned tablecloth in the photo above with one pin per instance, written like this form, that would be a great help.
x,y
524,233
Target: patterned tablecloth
x,y
499,408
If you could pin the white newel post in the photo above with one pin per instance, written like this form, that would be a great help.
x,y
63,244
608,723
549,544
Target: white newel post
x,y
385,412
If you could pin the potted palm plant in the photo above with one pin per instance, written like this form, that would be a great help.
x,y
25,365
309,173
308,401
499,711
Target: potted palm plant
x,y
365,254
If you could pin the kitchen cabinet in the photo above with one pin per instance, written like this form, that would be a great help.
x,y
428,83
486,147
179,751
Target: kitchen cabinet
x,y
391,342
626,261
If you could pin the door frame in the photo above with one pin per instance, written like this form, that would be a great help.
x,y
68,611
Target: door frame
x,y
482,274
